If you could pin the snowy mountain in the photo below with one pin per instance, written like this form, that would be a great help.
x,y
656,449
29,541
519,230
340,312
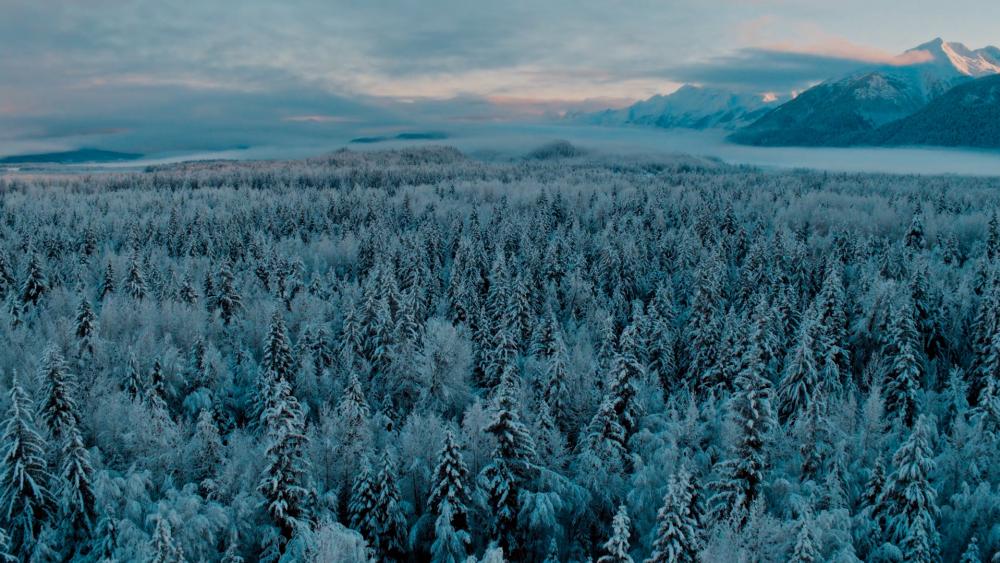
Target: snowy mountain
x,y
689,107
843,111
967,115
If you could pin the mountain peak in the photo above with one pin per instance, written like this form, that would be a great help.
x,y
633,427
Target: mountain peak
x,y
959,58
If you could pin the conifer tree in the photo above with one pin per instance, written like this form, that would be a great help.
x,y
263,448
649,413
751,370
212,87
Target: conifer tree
x,y
25,501
805,550
163,548
361,507
971,553
606,439
226,300
510,468
390,523
8,285
616,548
105,538
187,293
77,500
705,323
450,481
800,381
132,385
915,236
135,281
663,338
678,523
450,545
555,390
157,395
85,329
828,312
626,373
6,555
58,411
902,380
284,483
108,285
742,475
35,284
909,501
278,363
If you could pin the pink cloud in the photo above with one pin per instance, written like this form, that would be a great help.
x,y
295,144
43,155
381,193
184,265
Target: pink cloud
x,y
319,119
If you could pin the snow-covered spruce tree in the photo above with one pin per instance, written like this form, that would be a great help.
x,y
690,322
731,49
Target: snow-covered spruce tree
x,y
135,280
108,285
605,444
186,293
105,538
829,313
909,501
157,395
546,333
971,553
510,470
903,378
678,523
390,522
626,373
278,363
800,381
75,491
617,547
741,476
361,507
163,548
35,283
451,477
704,328
555,390
450,545
84,327
871,518
986,364
25,501
284,482
8,285
662,317
806,549
6,554
915,238
226,300
58,411
926,314
132,385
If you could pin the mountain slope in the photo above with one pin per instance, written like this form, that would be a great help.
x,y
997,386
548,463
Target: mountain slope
x,y
844,111
834,113
967,115
689,107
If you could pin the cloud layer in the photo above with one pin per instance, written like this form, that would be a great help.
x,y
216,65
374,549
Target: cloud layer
x,y
156,76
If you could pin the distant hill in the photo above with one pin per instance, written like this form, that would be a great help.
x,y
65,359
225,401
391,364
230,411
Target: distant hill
x,y
79,156
967,115
416,136
690,107
845,111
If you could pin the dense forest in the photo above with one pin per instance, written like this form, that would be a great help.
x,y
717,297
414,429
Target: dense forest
x,y
413,355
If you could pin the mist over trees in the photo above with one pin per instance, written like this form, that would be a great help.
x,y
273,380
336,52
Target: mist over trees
x,y
416,356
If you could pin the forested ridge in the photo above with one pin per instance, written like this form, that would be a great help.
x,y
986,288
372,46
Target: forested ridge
x,y
412,355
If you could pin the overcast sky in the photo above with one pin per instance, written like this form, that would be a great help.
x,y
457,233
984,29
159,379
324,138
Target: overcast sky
x,y
164,75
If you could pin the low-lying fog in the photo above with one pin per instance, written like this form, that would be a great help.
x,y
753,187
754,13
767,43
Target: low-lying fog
x,y
512,140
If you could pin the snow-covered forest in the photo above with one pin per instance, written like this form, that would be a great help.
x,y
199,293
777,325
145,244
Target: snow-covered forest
x,y
416,356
